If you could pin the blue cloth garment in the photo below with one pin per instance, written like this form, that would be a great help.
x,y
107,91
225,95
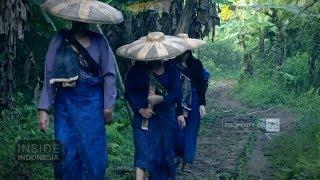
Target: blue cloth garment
x,y
186,139
79,126
154,150
206,75
100,51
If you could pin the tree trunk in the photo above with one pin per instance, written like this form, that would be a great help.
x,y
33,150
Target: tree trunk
x,y
261,43
15,17
213,33
280,38
6,84
280,48
247,59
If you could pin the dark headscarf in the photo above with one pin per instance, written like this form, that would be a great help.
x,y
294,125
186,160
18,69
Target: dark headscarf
x,y
196,68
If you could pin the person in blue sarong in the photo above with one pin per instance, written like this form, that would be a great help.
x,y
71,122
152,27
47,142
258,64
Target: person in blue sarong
x,y
153,91
80,83
154,148
194,83
81,107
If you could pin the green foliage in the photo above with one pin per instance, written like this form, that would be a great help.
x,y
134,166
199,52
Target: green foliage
x,y
259,91
120,151
17,124
288,84
224,2
221,57
294,155
120,142
21,123
42,22
296,72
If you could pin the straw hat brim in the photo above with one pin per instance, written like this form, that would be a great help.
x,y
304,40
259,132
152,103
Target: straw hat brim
x,y
145,49
90,11
194,43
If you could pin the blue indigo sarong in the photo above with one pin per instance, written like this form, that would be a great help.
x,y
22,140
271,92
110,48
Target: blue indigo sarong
x,y
187,138
154,148
143,147
162,130
79,126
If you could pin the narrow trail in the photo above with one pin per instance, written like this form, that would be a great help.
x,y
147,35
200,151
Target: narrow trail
x,y
224,154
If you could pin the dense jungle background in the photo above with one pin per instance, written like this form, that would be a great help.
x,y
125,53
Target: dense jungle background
x,y
265,55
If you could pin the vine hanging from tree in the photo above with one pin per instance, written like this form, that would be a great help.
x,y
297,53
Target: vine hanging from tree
x,y
14,22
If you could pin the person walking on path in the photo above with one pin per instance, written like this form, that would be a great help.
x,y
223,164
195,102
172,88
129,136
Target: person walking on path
x,y
80,82
153,91
194,84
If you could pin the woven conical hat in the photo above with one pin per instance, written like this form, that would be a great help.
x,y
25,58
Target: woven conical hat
x,y
154,46
193,43
88,11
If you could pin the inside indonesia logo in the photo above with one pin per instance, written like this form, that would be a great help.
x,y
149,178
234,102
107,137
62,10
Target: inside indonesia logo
x,y
49,151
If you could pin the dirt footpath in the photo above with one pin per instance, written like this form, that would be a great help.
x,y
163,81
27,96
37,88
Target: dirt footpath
x,y
224,154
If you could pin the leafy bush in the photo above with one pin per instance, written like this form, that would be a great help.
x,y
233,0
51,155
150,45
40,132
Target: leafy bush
x,y
121,149
298,69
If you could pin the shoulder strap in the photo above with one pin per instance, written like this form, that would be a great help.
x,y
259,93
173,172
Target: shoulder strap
x,y
86,62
